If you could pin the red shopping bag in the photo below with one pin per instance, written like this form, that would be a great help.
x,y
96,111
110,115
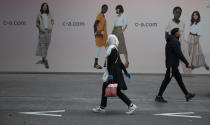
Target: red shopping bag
x,y
111,90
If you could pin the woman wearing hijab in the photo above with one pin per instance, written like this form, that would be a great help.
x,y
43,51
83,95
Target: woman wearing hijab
x,y
115,67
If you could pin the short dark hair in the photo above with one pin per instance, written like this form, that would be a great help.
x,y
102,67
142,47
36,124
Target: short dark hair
x,y
42,11
104,6
120,7
177,8
174,31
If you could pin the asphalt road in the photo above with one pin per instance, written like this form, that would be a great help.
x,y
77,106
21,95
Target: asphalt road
x,y
67,99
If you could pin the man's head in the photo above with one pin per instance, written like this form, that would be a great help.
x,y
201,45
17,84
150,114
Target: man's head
x,y
104,8
177,11
175,32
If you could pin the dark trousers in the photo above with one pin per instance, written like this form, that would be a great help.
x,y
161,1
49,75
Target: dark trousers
x,y
168,76
121,95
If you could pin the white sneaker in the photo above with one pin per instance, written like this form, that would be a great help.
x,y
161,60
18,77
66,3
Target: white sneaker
x,y
98,110
131,109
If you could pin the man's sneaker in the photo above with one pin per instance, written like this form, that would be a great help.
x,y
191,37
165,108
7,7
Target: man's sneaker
x,y
97,66
160,99
189,96
98,110
131,109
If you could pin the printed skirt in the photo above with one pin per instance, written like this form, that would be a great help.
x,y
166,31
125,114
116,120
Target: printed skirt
x,y
44,42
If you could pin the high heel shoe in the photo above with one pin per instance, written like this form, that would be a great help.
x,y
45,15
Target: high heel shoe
x,y
207,67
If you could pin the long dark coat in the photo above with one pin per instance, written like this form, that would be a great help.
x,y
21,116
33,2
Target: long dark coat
x,y
115,67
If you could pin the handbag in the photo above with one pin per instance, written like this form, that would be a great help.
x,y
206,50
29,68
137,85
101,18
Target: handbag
x,y
105,76
111,90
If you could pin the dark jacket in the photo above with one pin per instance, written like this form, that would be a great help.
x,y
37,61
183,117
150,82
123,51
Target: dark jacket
x,y
173,52
115,67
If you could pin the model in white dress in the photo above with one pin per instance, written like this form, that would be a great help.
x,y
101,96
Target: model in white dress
x,y
195,51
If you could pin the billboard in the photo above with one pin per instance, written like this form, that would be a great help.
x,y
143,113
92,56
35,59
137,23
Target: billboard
x,y
72,47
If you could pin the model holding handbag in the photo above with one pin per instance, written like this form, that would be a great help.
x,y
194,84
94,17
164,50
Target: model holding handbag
x,y
114,68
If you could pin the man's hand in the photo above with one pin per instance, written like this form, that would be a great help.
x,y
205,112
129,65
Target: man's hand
x,y
190,66
99,34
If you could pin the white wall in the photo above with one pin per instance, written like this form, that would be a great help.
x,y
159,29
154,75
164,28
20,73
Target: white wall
x,y
72,48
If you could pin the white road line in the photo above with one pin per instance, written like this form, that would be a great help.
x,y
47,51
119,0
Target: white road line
x,y
44,113
181,114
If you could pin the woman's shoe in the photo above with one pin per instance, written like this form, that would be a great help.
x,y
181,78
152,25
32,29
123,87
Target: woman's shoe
x,y
40,62
46,65
131,109
207,67
98,110
189,96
